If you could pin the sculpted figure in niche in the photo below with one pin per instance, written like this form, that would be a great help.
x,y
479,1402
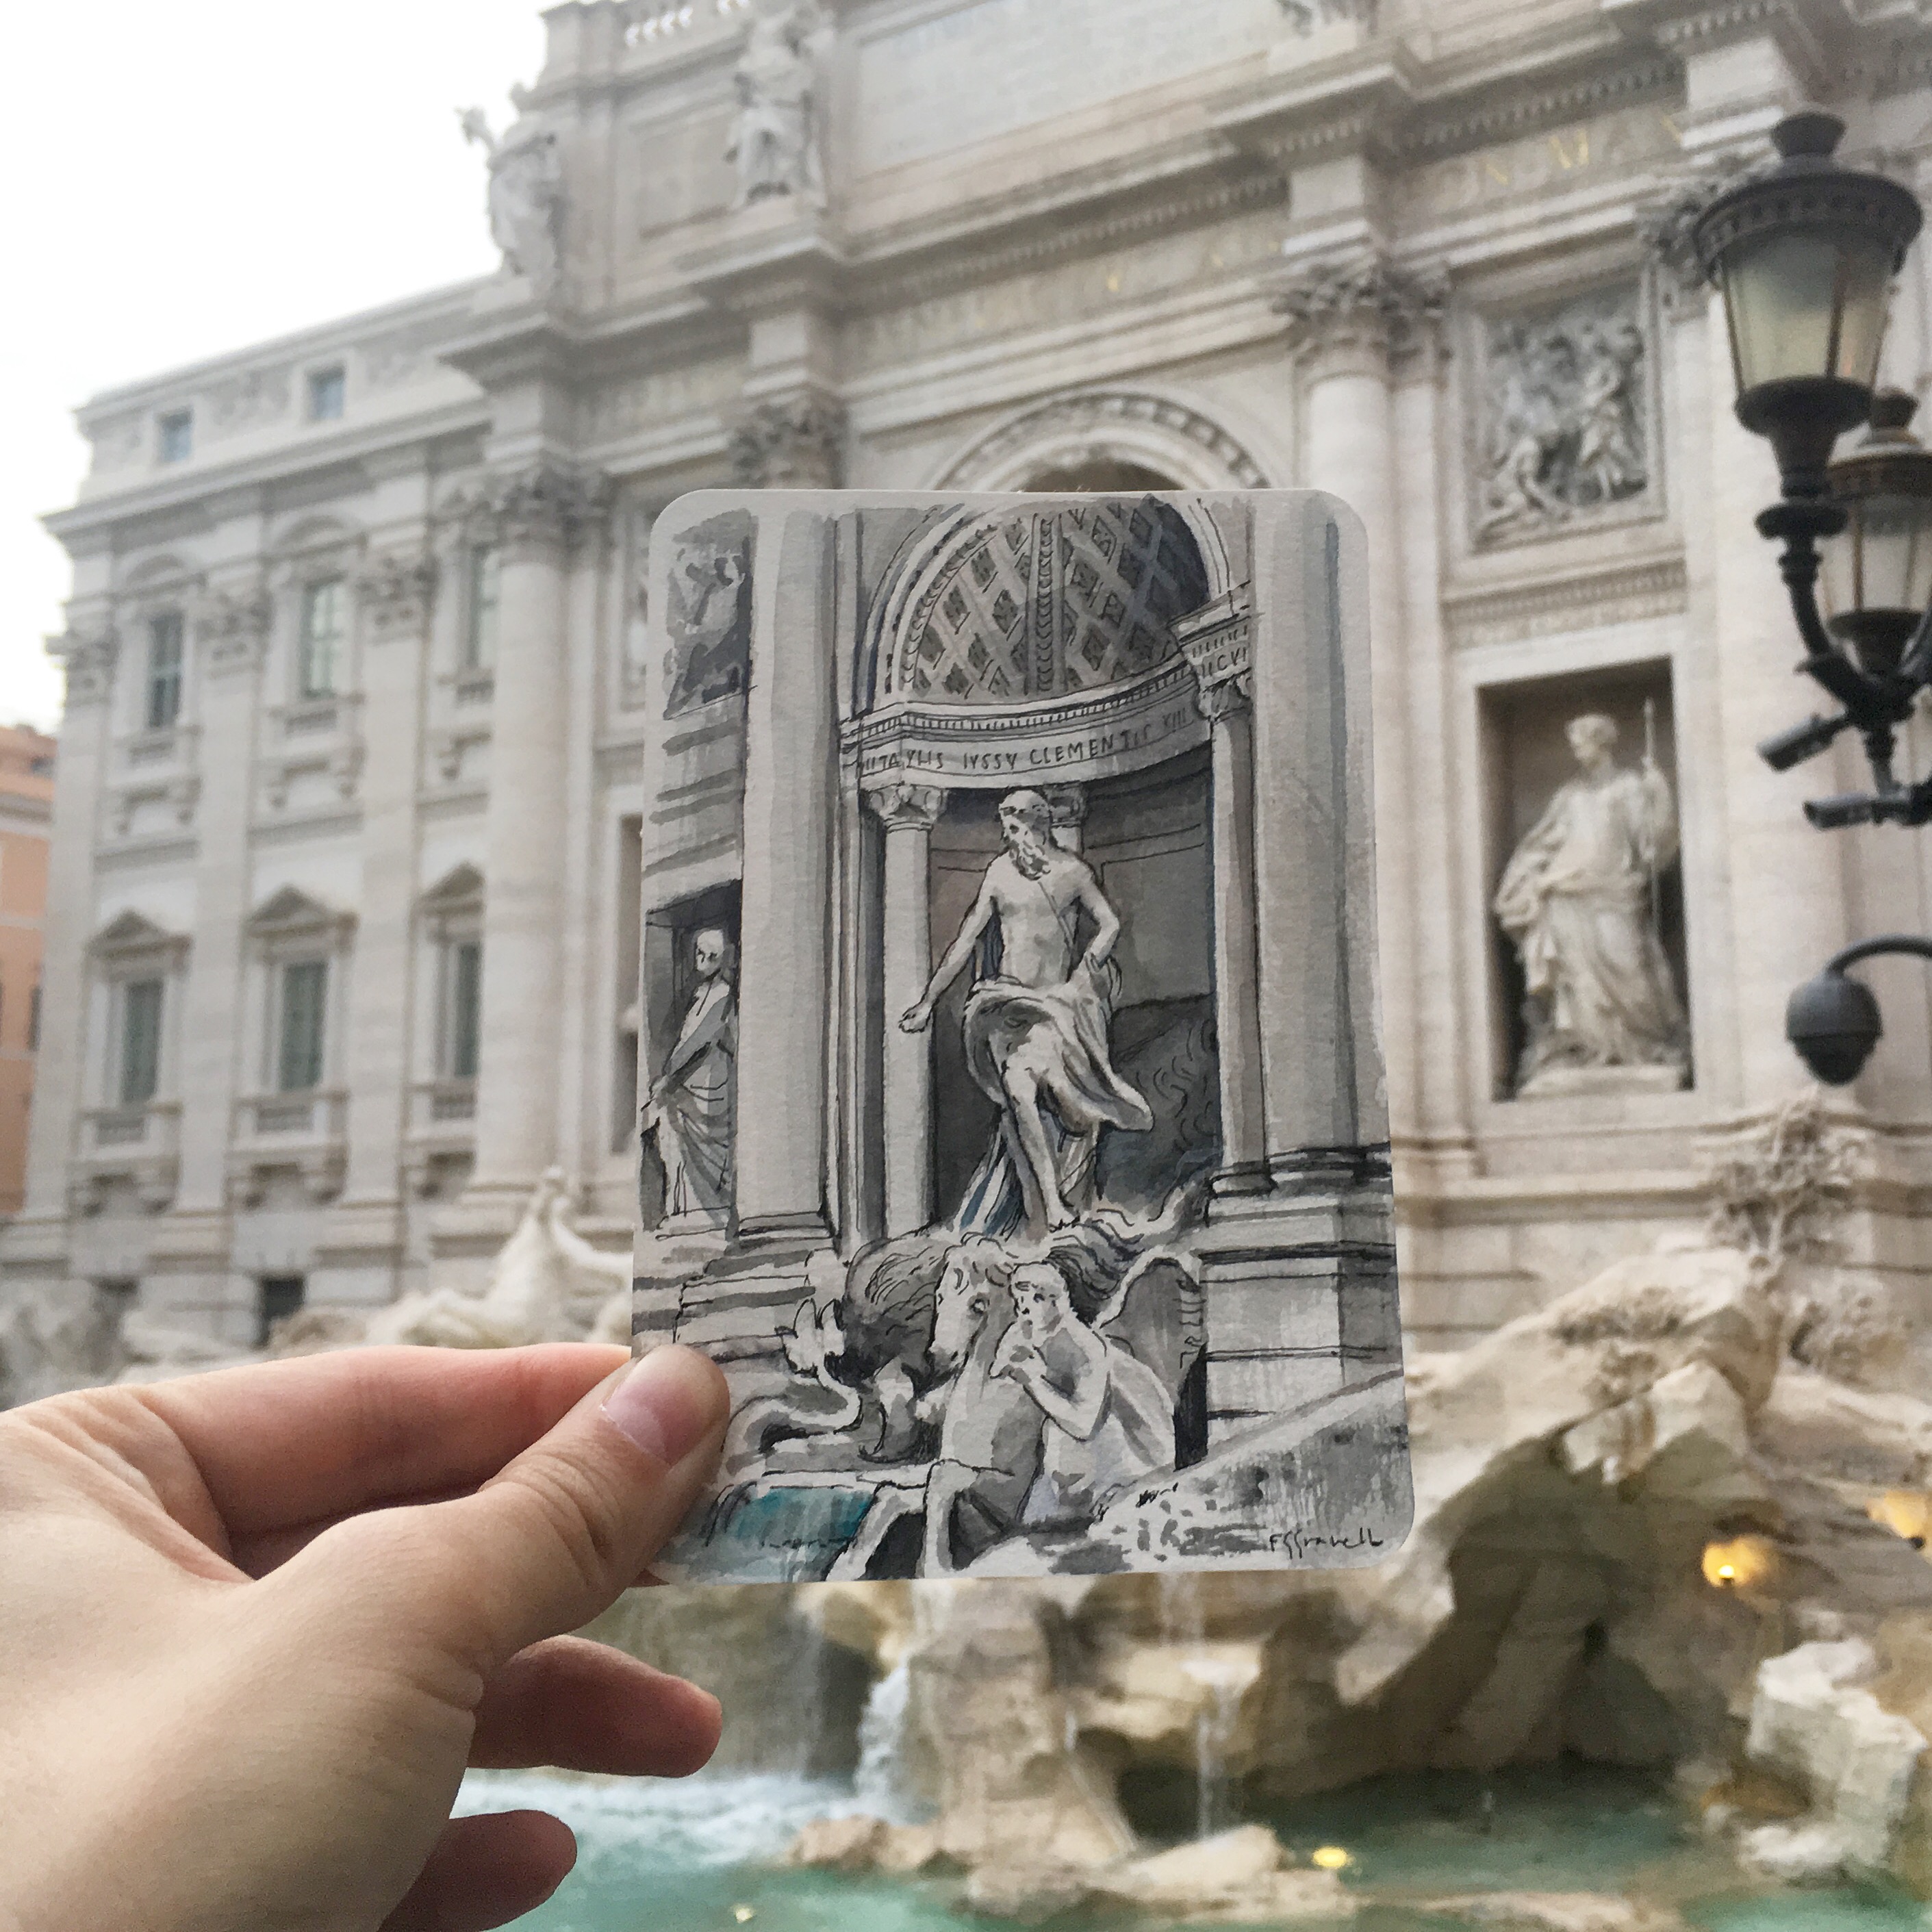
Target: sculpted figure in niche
x,y
526,197
1577,898
1035,1026
775,136
693,1102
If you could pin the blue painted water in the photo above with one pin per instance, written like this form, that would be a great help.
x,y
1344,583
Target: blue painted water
x,y
700,1856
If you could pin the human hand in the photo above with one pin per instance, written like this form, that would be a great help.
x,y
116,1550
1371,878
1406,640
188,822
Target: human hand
x,y
256,1624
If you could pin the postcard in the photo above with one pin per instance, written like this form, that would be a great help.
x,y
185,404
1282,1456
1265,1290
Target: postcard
x,y
1011,1118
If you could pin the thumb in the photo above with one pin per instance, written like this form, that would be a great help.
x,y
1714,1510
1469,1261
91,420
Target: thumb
x,y
549,1542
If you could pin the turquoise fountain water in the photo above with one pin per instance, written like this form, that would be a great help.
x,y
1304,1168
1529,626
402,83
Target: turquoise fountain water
x,y
700,1856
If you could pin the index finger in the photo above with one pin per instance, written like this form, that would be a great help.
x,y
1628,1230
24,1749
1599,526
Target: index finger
x,y
282,1443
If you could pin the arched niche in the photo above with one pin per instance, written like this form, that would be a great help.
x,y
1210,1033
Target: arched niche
x,y
1122,429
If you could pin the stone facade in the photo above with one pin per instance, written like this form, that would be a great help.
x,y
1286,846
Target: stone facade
x,y
26,801
1398,253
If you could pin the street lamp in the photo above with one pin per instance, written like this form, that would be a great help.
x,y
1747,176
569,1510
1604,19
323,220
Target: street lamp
x,y
1804,256
1833,1021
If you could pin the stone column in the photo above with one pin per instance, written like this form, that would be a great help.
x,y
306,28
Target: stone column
x,y
1348,319
79,784
234,632
1220,644
790,776
537,517
396,594
1230,706
908,812
1787,883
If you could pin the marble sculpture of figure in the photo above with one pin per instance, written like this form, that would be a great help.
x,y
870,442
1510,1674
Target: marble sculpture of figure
x,y
693,1098
775,135
1576,899
526,196
1035,1024
1108,1423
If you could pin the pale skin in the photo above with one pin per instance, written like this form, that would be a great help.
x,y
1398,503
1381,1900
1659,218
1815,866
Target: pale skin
x,y
257,1623
1034,952
1059,1361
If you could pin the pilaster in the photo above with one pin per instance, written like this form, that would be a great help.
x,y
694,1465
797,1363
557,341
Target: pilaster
x,y
398,593
537,516
88,655
908,813
785,987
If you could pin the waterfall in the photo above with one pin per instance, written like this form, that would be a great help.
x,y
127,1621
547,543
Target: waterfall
x,y
882,1783
1213,1732
1222,1679
804,1705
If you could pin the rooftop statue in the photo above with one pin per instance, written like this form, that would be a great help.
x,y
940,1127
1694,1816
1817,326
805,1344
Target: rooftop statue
x,y
526,197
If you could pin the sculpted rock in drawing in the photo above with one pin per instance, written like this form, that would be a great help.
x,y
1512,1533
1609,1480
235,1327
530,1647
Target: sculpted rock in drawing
x,y
775,136
1565,431
1035,1026
526,197
1576,897
693,1100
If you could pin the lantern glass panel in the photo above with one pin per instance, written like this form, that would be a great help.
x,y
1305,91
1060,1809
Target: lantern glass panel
x,y
1883,562
1806,301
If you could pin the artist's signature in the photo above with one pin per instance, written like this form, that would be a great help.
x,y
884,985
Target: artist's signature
x,y
1301,1544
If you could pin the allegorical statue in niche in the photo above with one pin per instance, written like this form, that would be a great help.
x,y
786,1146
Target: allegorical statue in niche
x,y
1578,897
1035,1026
775,135
526,197
694,1099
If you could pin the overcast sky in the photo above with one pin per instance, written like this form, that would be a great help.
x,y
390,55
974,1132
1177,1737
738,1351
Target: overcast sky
x,y
190,176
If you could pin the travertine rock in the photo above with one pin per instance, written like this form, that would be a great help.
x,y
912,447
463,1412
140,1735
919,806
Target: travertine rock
x,y
1813,1721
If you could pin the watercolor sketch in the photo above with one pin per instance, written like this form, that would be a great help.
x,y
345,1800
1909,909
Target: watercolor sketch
x,y
1011,1120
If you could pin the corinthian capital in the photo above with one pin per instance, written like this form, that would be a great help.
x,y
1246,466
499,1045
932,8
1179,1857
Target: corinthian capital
x,y
396,590
796,443
1665,224
233,625
1366,302
907,807
89,662
545,506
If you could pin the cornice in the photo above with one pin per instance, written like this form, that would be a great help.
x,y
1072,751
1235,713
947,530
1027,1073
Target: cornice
x,y
161,496
1127,216
1626,592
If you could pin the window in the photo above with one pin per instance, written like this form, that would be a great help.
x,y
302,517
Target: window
x,y
327,391
462,1008
323,611
140,1041
479,645
164,669
304,991
278,1297
175,436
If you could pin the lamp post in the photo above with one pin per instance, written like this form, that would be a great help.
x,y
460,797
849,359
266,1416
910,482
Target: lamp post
x,y
1833,1021
1804,256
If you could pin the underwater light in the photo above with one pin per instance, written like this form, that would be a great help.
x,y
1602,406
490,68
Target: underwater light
x,y
1744,1563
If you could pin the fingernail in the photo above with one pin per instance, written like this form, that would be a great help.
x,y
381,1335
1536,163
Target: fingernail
x,y
665,1404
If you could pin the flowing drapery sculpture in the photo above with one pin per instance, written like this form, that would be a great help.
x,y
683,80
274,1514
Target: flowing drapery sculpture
x,y
1035,1024
692,1108
1578,900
